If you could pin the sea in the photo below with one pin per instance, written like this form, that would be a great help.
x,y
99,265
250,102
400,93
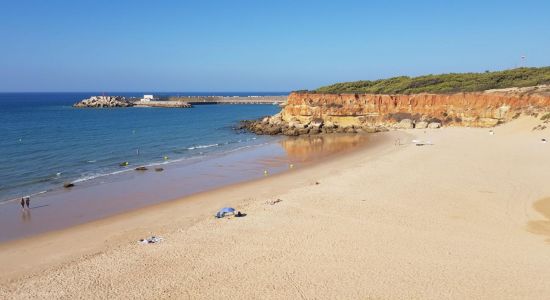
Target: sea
x,y
45,142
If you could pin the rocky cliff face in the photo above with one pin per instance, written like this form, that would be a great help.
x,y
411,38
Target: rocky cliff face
x,y
104,101
314,113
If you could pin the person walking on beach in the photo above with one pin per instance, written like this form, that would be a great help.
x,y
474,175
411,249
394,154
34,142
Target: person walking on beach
x,y
28,201
23,203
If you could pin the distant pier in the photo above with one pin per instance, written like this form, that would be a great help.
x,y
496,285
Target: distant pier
x,y
176,102
201,100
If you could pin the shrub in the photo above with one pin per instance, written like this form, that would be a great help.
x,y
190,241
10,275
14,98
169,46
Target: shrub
x,y
445,83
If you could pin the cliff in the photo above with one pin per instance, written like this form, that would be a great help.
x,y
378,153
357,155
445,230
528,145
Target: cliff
x,y
311,113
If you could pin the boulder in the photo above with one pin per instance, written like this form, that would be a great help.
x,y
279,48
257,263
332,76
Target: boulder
x,y
327,129
421,125
276,119
434,125
488,122
404,124
290,131
272,129
349,129
314,130
340,129
303,131
316,123
369,129
295,124
104,101
329,124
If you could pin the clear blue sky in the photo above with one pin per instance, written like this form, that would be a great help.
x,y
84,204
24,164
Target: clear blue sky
x,y
258,45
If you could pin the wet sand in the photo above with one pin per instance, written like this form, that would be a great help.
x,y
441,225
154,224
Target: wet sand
x,y
448,220
114,194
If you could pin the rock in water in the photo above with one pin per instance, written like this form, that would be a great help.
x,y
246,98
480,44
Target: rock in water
x,y
104,101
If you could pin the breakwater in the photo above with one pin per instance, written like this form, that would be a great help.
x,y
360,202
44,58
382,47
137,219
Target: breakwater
x,y
176,102
198,100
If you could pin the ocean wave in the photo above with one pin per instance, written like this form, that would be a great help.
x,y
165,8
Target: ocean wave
x,y
57,178
97,175
202,146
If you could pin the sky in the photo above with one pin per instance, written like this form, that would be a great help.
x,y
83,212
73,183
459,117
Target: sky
x,y
256,45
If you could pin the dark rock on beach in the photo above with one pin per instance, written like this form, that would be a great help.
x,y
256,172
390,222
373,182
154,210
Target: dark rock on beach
x,y
275,125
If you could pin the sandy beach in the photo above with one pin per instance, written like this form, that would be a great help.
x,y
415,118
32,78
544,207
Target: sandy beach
x,y
466,217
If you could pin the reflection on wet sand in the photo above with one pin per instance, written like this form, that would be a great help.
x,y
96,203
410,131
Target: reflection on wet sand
x,y
127,191
26,215
308,148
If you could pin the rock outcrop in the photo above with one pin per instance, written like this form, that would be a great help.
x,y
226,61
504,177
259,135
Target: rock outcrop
x,y
104,101
312,113
119,101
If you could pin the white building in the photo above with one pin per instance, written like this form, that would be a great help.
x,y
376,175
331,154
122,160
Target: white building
x,y
147,98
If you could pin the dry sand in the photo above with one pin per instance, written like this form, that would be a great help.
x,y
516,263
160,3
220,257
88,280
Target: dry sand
x,y
465,218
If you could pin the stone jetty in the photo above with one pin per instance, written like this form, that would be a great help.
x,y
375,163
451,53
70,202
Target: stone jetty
x,y
104,101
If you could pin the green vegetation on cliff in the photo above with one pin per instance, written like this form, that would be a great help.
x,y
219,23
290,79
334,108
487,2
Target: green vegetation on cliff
x,y
445,83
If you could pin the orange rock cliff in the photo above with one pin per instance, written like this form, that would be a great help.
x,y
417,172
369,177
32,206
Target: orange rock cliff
x,y
306,113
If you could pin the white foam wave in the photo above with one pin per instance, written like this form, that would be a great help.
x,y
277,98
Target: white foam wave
x,y
97,175
87,177
202,146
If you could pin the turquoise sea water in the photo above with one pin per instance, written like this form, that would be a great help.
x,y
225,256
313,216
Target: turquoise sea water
x,y
46,142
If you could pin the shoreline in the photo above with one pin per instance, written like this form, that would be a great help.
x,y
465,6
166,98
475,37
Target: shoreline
x,y
86,180
129,189
10,251
452,218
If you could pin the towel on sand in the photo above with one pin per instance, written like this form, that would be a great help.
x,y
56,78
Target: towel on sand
x,y
151,240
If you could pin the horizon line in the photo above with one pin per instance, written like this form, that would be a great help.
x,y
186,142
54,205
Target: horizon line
x,y
37,92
